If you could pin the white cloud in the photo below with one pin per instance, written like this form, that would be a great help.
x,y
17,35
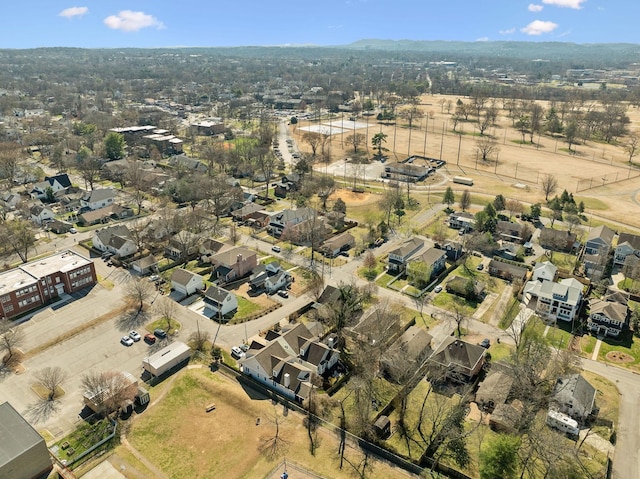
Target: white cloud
x,y
508,31
538,27
482,39
73,12
534,7
577,4
129,21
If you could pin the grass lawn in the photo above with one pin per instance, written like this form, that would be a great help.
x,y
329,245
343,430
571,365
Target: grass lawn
x,y
85,436
384,279
227,442
607,399
245,308
564,261
629,284
500,351
162,324
624,353
449,302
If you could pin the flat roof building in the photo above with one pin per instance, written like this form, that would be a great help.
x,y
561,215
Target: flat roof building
x,y
23,452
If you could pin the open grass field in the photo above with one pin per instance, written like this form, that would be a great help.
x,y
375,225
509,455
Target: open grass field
x,y
227,443
517,168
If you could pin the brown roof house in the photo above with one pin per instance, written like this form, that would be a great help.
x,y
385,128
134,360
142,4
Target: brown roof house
x,y
413,347
288,362
457,360
333,246
507,271
557,240
494,390
232,264
186,282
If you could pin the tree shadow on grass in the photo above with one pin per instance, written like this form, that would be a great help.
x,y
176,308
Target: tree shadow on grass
x,y
41,410
133,319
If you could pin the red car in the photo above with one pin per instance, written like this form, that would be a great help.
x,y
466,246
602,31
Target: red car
x,y
149,338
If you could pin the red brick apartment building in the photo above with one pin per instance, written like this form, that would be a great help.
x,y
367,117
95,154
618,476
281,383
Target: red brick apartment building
x,y
34,284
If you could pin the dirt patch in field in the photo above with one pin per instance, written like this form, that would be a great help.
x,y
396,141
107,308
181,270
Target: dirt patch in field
x,y
351,197
619,357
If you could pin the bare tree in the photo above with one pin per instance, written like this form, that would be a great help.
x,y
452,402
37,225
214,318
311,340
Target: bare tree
x,y
11,338
166,308
139,181
513,207
19,236
51,378
458,317
486,147
632,145
314,140
355,140
138,291
198,340
549,185
274,444
465,200
108,390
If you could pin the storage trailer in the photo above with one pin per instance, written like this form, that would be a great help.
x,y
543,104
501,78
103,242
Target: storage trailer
x,y
167,358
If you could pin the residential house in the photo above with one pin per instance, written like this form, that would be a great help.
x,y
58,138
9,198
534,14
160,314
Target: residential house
x,y
507,271
184,163
288,361
58,183
40,214
270,278
207,128
286,185
219,302
462,221
36,283
11,200
545,271
244,213
210,247
574,396
145,265
607,318
433,258
186,282
399,257
494,390
627,244
59,227
554,301
453,250
104,215
258,219
413,347
513,232
115,239
96,199
184,244
557,240
333,246
599,240
288,218
506,417
457,360
232,264
465,287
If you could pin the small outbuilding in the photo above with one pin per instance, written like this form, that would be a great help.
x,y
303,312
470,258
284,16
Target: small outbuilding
x,y
382,427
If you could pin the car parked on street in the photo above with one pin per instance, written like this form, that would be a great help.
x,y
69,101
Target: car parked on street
x,y
276,249
437,289
485,343
126,341
237,352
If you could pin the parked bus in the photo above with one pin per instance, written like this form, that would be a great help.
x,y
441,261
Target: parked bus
x,y
463,180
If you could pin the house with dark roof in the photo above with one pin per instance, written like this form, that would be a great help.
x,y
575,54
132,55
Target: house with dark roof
x,y
453,250
457,360
104,215
58,183
244,213
289,218
628,244
96,199
513,232
289,360
115,239
40,214
399,257
184,244
232,264
219,302
186,282
23,451
607,318
507,271
210,247
574,396
557,240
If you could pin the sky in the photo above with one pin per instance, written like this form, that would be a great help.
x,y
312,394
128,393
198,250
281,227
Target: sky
x,y
212,23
